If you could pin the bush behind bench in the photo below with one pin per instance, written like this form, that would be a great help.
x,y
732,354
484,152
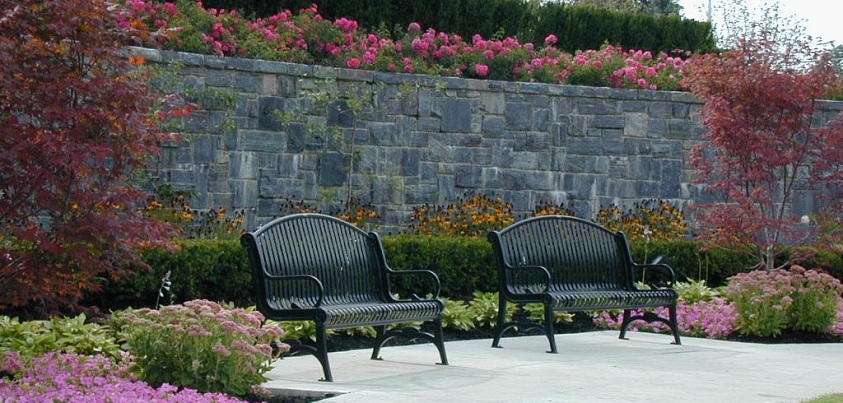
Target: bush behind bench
x,y
218,270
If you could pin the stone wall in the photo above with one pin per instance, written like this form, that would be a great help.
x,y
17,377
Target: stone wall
x,y
428,140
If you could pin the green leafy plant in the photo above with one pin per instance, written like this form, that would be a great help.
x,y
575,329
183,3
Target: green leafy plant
x,y
74,335
201,345
536,311
298,330
695,291
457,315
484,306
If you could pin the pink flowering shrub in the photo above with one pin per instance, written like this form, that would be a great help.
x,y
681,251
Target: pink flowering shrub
x,y
797,299
200,345
714,319
837,328
69,377
307,37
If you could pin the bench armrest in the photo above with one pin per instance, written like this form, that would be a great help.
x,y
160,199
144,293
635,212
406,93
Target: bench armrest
x,y
534,274
296,302
665,277
393,274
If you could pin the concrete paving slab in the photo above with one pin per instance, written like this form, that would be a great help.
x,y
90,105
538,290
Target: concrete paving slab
x,y
590,367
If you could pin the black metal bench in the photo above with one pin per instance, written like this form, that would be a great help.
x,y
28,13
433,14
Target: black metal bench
x,y
569,264
313,267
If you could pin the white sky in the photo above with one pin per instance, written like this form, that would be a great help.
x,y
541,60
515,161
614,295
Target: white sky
x,y
821,18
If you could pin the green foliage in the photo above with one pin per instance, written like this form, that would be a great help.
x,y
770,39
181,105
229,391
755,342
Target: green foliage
x,y
464,265
484,307
364,331
457,315
200,345
298,330
693,260
695,291
214,269
536,311
67,334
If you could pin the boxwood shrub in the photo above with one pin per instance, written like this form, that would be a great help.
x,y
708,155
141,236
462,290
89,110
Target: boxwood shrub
x,y
218,270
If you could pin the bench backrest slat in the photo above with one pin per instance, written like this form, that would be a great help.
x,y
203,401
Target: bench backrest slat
x,y
343,257
580,255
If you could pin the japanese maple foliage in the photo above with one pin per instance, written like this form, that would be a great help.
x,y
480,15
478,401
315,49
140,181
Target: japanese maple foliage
x,y
765,144
73,127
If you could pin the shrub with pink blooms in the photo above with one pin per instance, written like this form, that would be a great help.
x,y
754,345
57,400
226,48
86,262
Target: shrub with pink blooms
x,y
307,37
70,377
797,299
201,345
759,303
714,319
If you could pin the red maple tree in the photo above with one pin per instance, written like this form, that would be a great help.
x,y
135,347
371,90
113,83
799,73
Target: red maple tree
x,y
766,143
74,127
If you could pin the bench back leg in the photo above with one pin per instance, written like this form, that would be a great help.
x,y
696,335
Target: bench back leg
x,y
500,327
549,328
651,317
439,340
410,332
322,351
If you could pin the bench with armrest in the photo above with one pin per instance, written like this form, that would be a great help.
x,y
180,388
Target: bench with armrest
x,y
314,267
570,264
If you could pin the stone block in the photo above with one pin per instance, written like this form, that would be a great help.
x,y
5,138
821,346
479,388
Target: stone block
x,y
260,140
518,116
268,107
332,169
456,115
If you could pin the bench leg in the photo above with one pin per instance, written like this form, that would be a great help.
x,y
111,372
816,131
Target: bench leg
x,y
651,317
380,339
322,351
674,327
439,340
549,329
501,327
410,333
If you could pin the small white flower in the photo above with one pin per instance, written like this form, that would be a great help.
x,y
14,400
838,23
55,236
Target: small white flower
x,y
805,219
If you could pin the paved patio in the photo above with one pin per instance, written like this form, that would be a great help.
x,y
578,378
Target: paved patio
x,y
590,367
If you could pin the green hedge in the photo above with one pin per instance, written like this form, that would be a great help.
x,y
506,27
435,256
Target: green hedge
x,y
218,270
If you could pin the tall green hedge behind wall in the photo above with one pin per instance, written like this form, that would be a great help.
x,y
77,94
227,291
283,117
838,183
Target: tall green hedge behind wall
x,y
218,270
577,28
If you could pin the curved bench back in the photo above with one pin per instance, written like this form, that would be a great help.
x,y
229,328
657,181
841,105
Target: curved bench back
x,y
343,257
580,255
